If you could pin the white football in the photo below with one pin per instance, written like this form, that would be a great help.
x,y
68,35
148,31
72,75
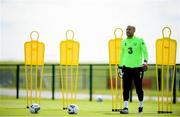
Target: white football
x,y
72,109
34,108
99,98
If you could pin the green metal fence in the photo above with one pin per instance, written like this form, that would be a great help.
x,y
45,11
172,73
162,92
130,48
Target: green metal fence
x,y
93,79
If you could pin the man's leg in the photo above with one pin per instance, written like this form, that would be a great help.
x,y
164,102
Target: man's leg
x,y
127,80
139,90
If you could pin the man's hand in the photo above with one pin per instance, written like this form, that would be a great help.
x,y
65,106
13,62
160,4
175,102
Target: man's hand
x,y
120,73
145,65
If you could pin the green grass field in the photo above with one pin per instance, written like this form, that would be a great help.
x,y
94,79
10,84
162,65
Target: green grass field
x,y
52,108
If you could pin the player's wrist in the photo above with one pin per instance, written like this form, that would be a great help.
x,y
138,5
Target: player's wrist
x,y
145,65
120,67
145,62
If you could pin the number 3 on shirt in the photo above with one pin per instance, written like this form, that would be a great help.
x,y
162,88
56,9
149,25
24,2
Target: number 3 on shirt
x,y
130,50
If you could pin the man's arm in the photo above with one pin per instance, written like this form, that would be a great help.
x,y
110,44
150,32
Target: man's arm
x,y
144,50
120,66
121,55
145,54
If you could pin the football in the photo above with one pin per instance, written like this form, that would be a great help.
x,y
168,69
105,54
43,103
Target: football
x,y
99,98
72,109
34,108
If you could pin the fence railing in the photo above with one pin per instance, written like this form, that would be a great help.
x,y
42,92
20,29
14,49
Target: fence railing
x,y
90,76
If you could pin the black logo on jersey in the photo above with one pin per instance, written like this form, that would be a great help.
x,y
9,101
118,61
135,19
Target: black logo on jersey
x,y
130,50
134,44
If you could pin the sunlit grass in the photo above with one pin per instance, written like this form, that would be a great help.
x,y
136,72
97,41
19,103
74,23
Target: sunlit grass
x,y
17,107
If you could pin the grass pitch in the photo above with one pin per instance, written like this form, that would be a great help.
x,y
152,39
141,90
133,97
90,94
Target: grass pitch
x,y
9,106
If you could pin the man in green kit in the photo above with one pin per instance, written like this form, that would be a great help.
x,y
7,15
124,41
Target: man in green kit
x,y
133,63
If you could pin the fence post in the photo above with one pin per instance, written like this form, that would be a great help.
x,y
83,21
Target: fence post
x,y
90,82
17,82
53,80
174,88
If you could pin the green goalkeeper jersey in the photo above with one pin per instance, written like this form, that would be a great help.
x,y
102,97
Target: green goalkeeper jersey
x,y
133,52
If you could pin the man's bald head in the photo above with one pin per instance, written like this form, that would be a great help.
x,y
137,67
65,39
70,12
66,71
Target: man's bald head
x,y
130,31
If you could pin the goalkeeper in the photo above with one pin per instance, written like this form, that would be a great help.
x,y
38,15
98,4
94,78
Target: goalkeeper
x,y
131,66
